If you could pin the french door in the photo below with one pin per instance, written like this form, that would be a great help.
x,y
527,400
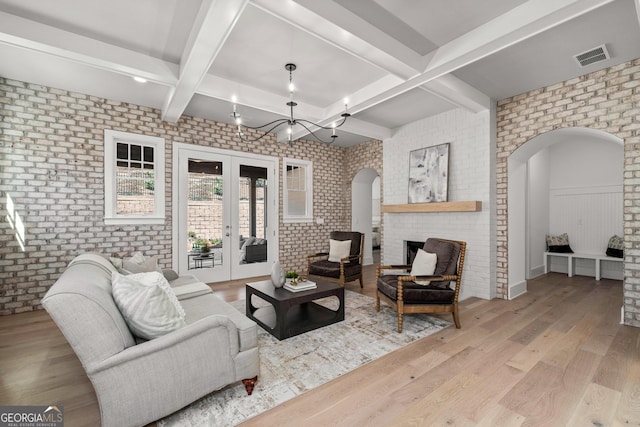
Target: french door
x,y
225,215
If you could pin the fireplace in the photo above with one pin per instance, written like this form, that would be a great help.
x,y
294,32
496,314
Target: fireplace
x,y
411,249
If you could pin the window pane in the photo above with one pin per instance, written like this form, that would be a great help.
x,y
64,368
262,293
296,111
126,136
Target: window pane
x,y
135,191
122,164
136,152
122,151
297,203
148,154
136,165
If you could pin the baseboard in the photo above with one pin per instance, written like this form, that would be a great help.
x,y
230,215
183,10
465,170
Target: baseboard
x,y
536,271
517,289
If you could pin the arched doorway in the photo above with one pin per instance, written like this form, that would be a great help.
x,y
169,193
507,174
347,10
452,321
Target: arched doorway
x,y
362,208
529,210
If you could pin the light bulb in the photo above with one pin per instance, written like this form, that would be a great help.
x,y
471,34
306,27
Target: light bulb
x,y
291,87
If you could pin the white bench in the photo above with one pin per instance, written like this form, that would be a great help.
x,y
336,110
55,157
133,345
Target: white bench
x,y
598,258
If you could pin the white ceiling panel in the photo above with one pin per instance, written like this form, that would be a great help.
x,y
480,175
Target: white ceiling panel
x,y
411,106
261,44
68,75
548,58
442,21
157,28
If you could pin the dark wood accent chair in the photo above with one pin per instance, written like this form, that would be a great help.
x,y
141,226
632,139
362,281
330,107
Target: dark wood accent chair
x,y
348,269
405,296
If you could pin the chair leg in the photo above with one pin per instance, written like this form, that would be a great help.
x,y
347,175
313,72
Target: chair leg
x,y
456,318
361,284
399,321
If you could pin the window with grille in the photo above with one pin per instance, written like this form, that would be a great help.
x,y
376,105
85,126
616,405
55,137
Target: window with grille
x,y
134,178
298,191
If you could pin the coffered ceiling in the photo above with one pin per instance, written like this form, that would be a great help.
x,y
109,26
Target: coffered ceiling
x,y
395,60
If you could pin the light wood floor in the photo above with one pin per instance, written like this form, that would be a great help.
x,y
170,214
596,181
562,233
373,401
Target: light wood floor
x,y
557,356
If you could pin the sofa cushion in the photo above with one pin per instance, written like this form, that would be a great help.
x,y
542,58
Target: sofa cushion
x,y
434,293
447,253
332,269
147,303
210,304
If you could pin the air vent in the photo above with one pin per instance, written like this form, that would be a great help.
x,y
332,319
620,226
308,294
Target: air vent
x,y
591,56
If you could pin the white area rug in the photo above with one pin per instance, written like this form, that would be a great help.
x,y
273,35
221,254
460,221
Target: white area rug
x,y
291,367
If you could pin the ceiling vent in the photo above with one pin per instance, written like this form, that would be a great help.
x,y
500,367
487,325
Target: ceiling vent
x,y
591,56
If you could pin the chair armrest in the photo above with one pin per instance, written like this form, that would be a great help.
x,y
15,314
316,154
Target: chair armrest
x,y
317,255
212,325
169,274
394,267
350,258
448,278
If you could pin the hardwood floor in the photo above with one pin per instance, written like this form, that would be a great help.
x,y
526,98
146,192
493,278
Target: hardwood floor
x,y
557,356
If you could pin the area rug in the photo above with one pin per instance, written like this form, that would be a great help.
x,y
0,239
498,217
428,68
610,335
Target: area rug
x,y
291,367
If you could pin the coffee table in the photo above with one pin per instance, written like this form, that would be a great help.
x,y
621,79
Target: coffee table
x,y
293,313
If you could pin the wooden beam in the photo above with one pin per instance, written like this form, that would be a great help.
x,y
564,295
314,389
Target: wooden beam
x,y
467,206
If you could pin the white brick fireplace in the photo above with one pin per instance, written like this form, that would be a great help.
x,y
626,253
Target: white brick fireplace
x,y
471,168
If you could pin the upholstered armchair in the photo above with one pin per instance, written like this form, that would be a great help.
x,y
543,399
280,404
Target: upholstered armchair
x,y
434,293
336,266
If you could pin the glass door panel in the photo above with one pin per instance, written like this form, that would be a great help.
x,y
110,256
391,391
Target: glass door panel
x,y
204,207
252,206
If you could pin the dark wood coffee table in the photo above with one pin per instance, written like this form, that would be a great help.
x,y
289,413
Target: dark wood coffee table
x,y
293,313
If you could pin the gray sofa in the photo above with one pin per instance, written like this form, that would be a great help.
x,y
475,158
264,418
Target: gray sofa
x,y
138,381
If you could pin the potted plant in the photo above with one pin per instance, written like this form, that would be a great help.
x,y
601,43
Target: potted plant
x,y
291,278
204,245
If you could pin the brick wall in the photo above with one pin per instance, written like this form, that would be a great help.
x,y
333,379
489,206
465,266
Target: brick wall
x,y
608,100
51,160
470,171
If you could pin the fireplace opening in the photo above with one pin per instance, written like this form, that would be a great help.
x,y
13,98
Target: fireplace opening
x,y
411,249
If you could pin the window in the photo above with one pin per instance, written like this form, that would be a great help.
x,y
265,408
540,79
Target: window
x,y
298,190
133,178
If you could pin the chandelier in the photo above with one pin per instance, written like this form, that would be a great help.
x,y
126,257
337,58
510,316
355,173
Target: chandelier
x,y
291,121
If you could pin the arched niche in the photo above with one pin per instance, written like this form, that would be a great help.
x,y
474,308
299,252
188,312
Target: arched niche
x,y
528,215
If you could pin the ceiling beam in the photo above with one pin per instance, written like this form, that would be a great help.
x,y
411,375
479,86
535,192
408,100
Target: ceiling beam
x,y
47,40
453,90
339,27
214,22
520,23
336,25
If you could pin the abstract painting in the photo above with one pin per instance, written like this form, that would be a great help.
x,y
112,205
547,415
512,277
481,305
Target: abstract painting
x,y
429,174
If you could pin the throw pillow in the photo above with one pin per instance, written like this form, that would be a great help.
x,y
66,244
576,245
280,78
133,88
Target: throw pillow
x,y
615,248
558,244
339,249
424,264
147,303
146,266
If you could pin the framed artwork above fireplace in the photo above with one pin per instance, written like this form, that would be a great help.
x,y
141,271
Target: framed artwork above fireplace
x,y
429,174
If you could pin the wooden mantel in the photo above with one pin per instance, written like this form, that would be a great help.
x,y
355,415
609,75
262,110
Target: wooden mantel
x,y
472,206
